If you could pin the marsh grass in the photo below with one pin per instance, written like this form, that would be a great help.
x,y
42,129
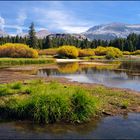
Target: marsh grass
x,y
22,61
47,103
53,102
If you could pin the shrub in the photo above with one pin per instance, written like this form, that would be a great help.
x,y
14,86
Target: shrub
x,y
113,53
86,52
110,52
68,51
48,51
137,52
100,50
110,55
126,53
17,50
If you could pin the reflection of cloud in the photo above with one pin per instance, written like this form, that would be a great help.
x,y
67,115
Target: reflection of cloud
x,y
2,23
61,19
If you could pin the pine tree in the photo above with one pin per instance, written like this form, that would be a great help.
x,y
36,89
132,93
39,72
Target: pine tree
x,y
32,39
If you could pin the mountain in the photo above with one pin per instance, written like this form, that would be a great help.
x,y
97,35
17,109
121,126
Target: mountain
x,y
42,33
3,34
111,31
66,35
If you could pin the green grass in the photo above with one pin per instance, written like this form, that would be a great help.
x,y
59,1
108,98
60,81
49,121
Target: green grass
x,y
92,57
22,61
114,100
54,102
46,103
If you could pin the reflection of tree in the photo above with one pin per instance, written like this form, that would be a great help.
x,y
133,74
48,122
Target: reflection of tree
x,y
104,66
47,72
131,66
68,67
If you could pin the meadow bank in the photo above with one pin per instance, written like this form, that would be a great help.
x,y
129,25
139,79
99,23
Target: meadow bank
x,y
52,102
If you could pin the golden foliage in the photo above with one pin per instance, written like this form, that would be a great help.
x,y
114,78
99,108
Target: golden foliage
x,y
137,52
110,52
68,51
100,50
17,50
48,51
86,52
126,53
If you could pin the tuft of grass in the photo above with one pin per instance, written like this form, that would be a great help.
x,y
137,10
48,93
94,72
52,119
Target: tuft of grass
x,y
125,104
16,85
48,103
83,106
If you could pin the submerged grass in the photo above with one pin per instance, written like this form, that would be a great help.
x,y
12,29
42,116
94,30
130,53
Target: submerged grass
x,y
47,103
21,61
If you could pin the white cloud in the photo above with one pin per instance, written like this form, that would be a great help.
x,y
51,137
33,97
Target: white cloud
x,y
17,27
20,21
21,17
61,19
2,23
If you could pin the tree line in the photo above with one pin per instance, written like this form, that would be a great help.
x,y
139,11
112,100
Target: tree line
x,y
131,43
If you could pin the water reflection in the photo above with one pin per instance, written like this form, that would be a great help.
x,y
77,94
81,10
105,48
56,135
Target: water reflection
x,y
118,74
108,127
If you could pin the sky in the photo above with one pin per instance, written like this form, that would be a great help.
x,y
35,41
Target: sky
x,y
65,16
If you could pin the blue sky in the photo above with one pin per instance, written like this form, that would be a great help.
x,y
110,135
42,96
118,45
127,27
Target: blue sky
x,y
65,16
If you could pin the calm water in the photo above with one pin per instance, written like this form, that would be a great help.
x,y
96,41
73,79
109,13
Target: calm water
x,y
119,74
108,127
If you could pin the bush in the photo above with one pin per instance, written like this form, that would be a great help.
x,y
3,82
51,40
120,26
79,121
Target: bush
x,y
137,52
17,50
109,52
100,51
113,53
110,55
126,53
86,52
68,52
48,51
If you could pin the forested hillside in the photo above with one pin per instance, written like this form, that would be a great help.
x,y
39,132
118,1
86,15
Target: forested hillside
x,y
131,43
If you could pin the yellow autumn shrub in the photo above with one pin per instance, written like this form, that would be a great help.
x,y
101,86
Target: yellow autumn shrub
x,y
113,52
52,51
126,53
68,51
17,50
100,50
137,52
86,52
109,51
